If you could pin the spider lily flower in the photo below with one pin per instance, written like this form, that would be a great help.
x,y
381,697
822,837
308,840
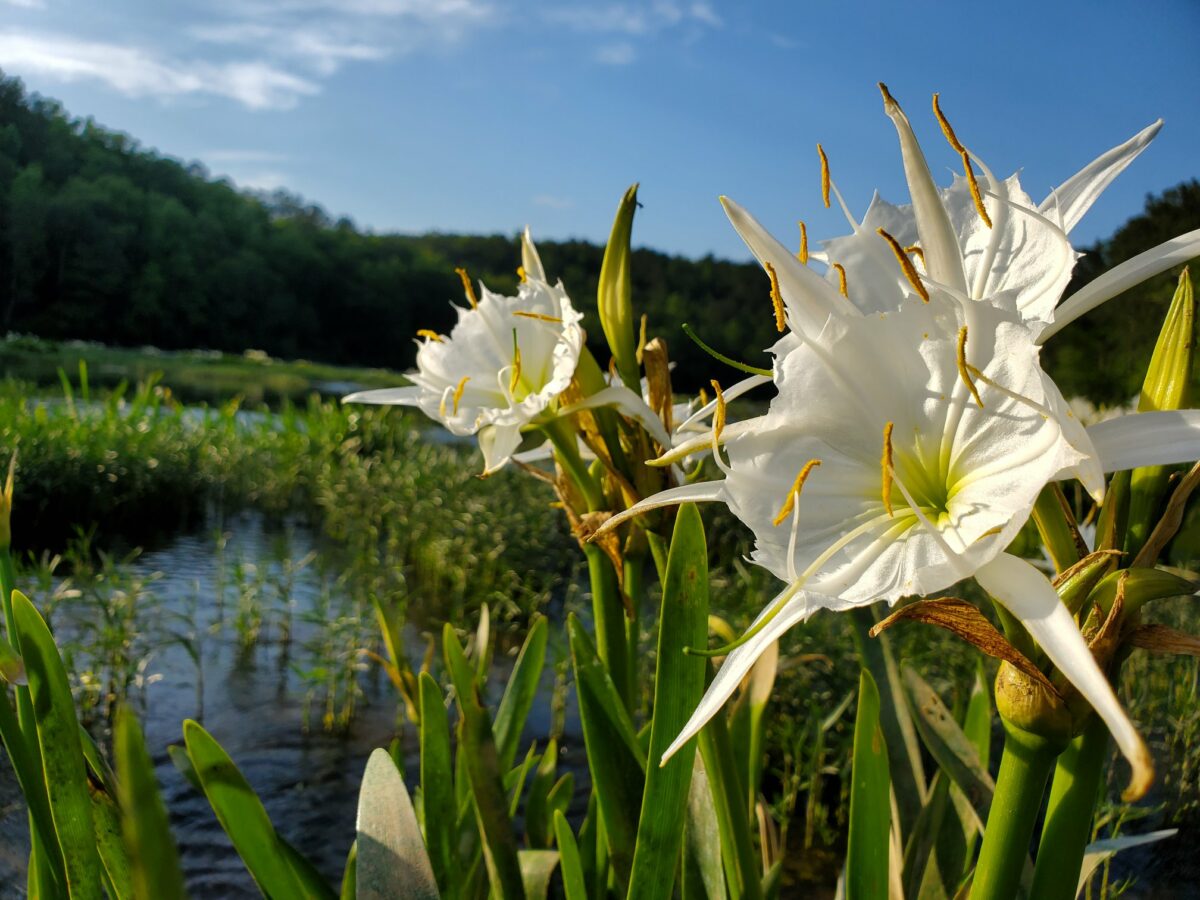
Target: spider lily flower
x,y
502,367
902,453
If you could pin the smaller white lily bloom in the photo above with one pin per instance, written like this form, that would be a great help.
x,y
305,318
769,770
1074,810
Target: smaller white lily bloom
x,y
502,367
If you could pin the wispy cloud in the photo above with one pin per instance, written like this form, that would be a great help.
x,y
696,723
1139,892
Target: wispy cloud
x,y
634,19
136,72
549,201
621,54
25,4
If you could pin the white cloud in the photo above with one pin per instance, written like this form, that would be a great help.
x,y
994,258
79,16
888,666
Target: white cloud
x,y
261,181
136,72
319,49
551,202
27,4
703,12
634,19
621,54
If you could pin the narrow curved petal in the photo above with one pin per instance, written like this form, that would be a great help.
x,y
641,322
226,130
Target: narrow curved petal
x,y
699,492
627,402
810,299
731,393
531,262
1027,594
1120,278
397,396
798,606
943,257
1159,438
498,443
1075,196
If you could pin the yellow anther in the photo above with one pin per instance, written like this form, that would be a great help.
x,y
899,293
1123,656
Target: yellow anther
x,y
458,391
468,288
641,344
703,397
793,495
964,370
841,270
825,179
776,299
429,333
888,99
910,271
540,317
803,254
948,131
886,463
515,378
719,414
521,274
914,250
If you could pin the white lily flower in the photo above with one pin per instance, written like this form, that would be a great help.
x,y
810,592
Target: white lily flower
x,y
975,428
501,368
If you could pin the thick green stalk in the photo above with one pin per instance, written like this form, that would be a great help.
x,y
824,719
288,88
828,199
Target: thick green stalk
x,y
1024,769
1068,827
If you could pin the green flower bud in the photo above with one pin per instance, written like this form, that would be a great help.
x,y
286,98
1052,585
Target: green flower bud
x,y
1165,387
614,293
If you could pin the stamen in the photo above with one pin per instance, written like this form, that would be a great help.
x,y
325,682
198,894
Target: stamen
x,y
886,463
458,391
963,368
966,158
794,494
910,271
521,274
540,317
515,378
825,180
914,250
702,396
841,270
721,357
719,415
776,299
468,288
803,254
429,333
641,344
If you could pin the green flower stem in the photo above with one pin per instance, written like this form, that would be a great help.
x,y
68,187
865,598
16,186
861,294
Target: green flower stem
x,y
1024,770
1068,827
608,611
635,570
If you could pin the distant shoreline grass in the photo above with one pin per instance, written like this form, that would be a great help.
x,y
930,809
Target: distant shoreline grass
x,y
194,376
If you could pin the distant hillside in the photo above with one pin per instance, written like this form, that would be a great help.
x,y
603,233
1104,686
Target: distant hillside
x,y
103,240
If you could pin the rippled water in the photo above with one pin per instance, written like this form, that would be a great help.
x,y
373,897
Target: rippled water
x,y
253,701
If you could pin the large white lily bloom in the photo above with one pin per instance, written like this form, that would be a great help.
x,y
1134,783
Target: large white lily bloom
x,y
500,369
976,427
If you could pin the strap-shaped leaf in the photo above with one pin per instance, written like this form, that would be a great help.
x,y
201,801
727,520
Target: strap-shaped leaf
x,y
520,692
64,769
537,867
574,885
437,785
870,801
391,860
678,687
156,871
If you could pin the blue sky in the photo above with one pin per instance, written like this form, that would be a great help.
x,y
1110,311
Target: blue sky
x,y
484,115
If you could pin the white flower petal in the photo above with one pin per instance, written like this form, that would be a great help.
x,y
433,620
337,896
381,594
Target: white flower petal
x,y
1027,594
700,492
799,607
531,261
1120,278
943,258
809,298
1159,438
1075,196
398,396
630,404
498,443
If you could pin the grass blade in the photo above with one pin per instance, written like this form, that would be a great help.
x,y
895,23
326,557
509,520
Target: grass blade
x,y
537,868
241,814
156,872
870,801
63,765
678,686
574,885
478,746
392,862
437,785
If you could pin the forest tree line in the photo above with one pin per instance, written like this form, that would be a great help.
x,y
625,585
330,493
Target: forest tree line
x,y
103,240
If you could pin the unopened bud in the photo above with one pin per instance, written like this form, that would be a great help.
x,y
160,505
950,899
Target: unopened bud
x,y
614,293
